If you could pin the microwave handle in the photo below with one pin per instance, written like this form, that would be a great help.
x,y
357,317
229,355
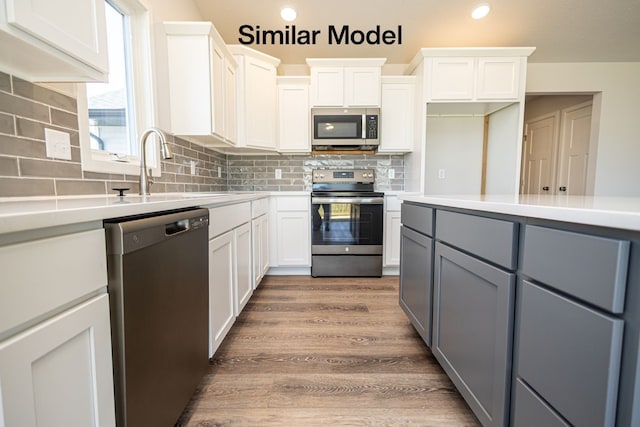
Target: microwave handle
x,y
364,126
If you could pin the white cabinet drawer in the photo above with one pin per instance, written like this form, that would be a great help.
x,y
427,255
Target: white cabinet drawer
x,y
42,275
259,207
227,218
297,203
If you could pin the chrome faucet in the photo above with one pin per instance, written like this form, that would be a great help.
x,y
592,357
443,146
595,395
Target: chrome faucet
x,y
165,151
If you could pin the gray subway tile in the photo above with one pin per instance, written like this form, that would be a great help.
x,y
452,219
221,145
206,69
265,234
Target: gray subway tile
x,y
48,168
30,128
187,152
173,188
36,130
5,82
103,176
15,146
6,124
44,95
14,187
291,188
8,166
23,107
64,119
66,187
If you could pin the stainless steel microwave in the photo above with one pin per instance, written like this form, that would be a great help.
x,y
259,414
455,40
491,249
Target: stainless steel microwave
x,y
345,127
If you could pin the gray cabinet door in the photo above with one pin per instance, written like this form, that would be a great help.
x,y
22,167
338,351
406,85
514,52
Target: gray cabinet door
x,y
569,354
531,411
473,321
416,280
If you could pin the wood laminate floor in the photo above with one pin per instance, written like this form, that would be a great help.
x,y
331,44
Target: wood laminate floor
x,y
325,352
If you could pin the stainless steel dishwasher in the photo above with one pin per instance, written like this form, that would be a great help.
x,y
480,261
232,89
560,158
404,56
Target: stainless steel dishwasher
x,y
158,294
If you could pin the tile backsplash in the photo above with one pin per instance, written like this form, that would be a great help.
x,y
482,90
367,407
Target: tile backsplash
x,y
26,109
257,173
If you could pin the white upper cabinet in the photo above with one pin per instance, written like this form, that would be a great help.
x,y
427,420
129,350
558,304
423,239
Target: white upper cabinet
x,y
452,78
257,98
202,83
474,74
55,40
294,121
345,82
498,78
397,113
327,86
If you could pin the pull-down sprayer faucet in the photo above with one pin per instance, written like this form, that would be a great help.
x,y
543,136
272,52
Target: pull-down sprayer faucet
x,y
165,151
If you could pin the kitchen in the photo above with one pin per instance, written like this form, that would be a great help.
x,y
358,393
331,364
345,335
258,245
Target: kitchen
x,y
203,163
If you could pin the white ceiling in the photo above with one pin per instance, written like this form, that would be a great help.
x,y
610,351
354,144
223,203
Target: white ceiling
x,y
561,30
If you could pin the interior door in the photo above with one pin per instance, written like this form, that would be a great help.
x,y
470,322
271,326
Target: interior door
x,y
541,135
574,150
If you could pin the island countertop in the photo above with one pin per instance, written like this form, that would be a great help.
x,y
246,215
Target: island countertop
x,y
614,212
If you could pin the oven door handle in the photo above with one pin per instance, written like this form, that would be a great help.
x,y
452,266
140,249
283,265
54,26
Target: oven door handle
x,y
354,200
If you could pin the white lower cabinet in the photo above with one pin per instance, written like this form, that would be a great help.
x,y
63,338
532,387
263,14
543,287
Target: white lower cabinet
x,y
260,235
392,231
221,302
59,372
230,268
244,266
392,239
291,235
290,244
55,340
293,241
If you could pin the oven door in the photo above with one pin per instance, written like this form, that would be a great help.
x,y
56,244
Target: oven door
x,y
346,224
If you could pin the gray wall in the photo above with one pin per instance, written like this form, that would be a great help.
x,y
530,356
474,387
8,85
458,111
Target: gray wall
x,y
26,109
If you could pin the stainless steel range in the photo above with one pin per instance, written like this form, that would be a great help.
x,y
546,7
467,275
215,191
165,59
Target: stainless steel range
x,y
346,223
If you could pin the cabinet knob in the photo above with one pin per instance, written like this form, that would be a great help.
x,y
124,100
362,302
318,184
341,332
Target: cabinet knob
x,y
545,188
563,188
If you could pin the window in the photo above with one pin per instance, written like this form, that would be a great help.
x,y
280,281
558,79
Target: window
x,y
113,114
111,119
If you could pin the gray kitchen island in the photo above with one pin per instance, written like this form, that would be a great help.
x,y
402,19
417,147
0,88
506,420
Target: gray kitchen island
x,y
531,304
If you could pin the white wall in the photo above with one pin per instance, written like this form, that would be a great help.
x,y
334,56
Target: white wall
x,y
618,154
502,151
543,105
454,144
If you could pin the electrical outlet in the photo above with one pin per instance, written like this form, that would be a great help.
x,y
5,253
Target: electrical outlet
x,y
193,167
392,173
441,174
57,144
278,173
219,171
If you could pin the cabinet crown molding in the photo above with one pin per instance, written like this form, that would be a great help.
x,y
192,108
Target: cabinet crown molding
x,y
430,52
237,49
346,62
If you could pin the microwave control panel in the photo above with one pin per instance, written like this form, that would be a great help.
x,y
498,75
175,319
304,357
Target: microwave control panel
x,y
372,126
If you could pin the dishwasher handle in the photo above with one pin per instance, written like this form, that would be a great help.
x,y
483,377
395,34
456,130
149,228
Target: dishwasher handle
x,y
177,227
126,235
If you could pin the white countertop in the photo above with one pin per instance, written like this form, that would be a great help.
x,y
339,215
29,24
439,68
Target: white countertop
x,y
28,213
615,212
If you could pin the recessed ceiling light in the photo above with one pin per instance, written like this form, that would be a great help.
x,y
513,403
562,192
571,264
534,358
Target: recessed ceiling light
x,y
288,14
480,11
